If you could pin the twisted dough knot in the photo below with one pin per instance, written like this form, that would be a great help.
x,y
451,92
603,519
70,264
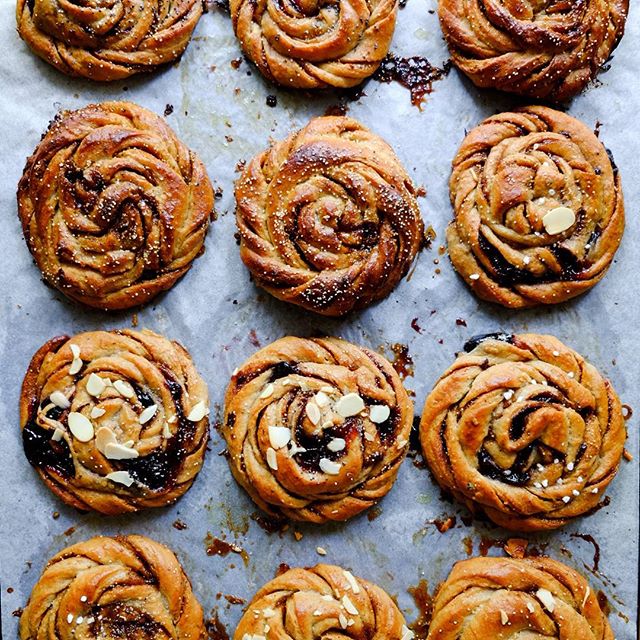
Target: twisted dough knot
x,y
312,44
328,217
107,40
325,601
316,428
114,421
542,49
114,208
524,429
539,212
516,598
123,587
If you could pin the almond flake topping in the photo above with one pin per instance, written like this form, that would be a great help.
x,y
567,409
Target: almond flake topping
x,y
279,436
57,435
124,388
321,552
322,399
336,444
104,436
198,412
121,477
343,620
116,451
407,634
60,400
147,413
504,618
75,350
379,413
272,460
80,426
75,366
558,220
349,405
313,412
97,412
95,385
349,606
353,583
267,391
546,597
330,467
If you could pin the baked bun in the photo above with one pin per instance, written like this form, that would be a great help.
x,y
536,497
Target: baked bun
x,y
114,208
312,44
538,208
328,218
320,603
114,421
523,429
107,40
517,598
108,588
543,50
316,428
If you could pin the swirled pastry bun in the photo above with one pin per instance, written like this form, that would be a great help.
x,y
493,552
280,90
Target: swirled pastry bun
x,y
316,428
114,208
107,40
111,588
324,601
517,598
538,208
523,429
328,218
547,51
114,421
312,44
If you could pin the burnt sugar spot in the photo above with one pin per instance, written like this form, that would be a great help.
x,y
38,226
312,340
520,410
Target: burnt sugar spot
x,y
402,361
220,547
424,604
214,627
415,73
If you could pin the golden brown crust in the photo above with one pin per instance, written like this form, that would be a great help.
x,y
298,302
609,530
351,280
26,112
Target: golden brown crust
x,y
324,601
328,217
114,385
315,44
511,171
544,50
114,208
123,587
508,597
107,40
523,428
295,446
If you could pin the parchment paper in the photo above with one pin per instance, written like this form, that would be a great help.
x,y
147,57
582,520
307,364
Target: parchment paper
x,y
215,311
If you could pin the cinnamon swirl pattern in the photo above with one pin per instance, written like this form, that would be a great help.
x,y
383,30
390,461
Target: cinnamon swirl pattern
x,y
123,587
328,218
516,598
325,601
544,50
523,429
316,43
114,208
539,212
316,428
114,421
107,40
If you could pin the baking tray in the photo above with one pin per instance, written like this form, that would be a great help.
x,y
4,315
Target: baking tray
x,y
217,103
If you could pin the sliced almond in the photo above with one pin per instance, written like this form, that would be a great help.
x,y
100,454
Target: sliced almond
x,y
104,436
75,350
504,618
95,385
330,467
116,451
322,399
343,620
296,449
558,220
199,411
353,583
267,392
379,413
336,444
166,430
147,413
80,426
313,412
279,436
407,634
121,477
60,400
57,435
97,412
272,459
124,388
75,366
546,597
349,606
349,405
